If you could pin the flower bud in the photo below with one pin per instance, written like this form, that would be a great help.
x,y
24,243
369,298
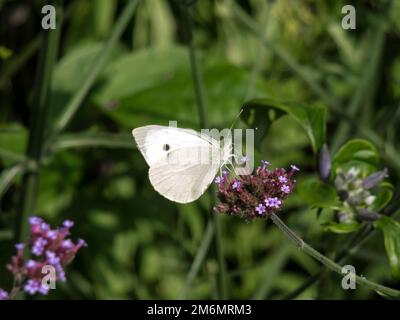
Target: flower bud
x,y
367,215
374,179
324,163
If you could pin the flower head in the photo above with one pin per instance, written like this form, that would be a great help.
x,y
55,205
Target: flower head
x,y
257,195
49,247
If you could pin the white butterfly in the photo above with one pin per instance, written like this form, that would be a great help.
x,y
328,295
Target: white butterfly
x,y
183,162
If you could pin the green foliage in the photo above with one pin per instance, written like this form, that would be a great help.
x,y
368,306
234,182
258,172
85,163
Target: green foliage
x,y
318,194
358,153
391,233
259,114
298,76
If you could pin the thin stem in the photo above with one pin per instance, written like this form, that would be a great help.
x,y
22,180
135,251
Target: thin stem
x,y
198,259
30,183
97,66
328,262
201,106
353,245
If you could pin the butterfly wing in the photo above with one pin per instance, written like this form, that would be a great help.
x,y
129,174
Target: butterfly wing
x,y
182,183
155,142
183,162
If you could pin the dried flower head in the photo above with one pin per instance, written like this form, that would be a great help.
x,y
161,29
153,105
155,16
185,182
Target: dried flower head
x,y
256,195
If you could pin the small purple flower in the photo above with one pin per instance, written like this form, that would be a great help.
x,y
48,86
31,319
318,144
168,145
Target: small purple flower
x,y
35,220
282,179
236,185
31,264
225,174
44,289
260,208
294,168
60,273
273,202
285,189
67,244
3,294
44,226
32,286
52,258
245,159
38,246
52,234
68,224
265,163
20,246
82,243
219,180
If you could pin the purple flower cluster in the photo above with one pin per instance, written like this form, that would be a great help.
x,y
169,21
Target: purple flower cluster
x,y
48,247
256,195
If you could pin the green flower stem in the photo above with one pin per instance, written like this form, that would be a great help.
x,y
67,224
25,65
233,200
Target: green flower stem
x,y
97,66
201,106
30,182
352,246
329,263
199,258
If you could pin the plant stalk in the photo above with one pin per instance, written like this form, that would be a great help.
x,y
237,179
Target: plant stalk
x,y
30,183
328,262
201,106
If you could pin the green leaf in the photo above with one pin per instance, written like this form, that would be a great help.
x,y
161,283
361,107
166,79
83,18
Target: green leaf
x,y
391,233
341,227
8,175
70,73
13,140
358,153
123,74
383,196
259,113
164,90
318,194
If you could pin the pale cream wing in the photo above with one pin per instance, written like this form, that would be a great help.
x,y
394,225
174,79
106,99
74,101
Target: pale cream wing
x,y
185,180
155,142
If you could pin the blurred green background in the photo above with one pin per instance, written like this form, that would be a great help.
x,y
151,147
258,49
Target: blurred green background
x,y
141,246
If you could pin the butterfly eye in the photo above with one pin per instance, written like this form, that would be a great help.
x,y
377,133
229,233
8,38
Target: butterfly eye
x,y
166,147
